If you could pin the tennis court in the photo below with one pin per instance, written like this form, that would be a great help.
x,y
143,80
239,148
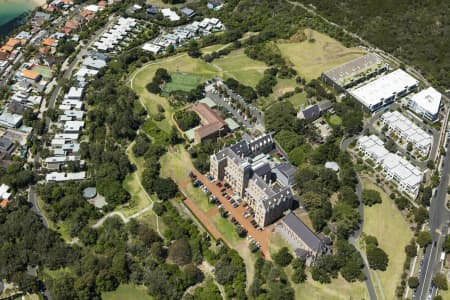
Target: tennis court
x,y
44,71
182,82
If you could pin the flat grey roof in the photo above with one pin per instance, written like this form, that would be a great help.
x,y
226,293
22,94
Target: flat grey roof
x,y
353,67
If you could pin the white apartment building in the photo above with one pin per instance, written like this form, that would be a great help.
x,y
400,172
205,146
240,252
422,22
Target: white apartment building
x,y
426,104
385,90
408,131
396,168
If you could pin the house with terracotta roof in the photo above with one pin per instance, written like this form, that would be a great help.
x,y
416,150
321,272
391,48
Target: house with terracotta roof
x,y
50,42
31,75
213,125
72,24
13,42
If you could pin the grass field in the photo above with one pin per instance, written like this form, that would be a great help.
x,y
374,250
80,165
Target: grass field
x,y
277,242
310,59
338,289
298,100
182,82
239,66
227,229
127,291
335,120
176,164
385,222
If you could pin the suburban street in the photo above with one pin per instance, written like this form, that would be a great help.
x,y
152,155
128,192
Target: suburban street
x,y
439,217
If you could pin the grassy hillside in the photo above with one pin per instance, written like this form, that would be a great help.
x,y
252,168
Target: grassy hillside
x,y
416,31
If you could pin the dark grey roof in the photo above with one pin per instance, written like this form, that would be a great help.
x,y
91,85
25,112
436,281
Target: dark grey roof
x,y
311,112
16,107
153,10
240,148
301,230
5,144
99,56
287,169
187,11
262,169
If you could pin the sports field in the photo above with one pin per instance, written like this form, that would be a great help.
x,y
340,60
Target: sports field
x,y
182,82
310,59
386,223
44,71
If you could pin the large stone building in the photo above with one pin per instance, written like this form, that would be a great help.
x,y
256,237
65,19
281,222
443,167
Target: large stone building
x,y
305,242
245,167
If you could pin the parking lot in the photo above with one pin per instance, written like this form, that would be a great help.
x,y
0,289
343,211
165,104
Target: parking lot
x,y
238,212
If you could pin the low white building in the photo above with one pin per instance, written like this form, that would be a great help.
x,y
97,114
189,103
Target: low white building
x,y
73,126
4,195
61,176
395,167
151,48
75,93
385,89
170,14
71,104
408,131
426,104
10,120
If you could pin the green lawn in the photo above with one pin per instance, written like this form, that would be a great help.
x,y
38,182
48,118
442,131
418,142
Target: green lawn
x,y
176,164
385,222
335,120
227,229
126,292
277,242
139,199
239,66
310,59
338,289
182,82
298,100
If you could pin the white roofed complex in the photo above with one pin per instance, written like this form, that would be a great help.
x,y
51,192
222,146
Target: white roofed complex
x,y
407,176
408,131
385,90
426,104
61,177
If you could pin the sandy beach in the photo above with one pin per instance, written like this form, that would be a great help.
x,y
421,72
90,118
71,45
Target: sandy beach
x,y
39,2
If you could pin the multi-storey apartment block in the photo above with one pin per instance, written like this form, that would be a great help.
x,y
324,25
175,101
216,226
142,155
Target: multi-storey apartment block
x,y
244,166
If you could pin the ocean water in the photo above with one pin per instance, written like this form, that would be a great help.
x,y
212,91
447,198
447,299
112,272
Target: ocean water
x,y
10,9
11,12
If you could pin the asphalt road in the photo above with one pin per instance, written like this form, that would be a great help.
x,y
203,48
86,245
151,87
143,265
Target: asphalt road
x,y
32,198
439,217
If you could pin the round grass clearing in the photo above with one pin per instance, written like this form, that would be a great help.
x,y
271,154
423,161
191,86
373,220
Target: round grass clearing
x,y
335,120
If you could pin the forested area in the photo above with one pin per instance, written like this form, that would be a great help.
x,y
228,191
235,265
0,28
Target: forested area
x,y
25,242
415,31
